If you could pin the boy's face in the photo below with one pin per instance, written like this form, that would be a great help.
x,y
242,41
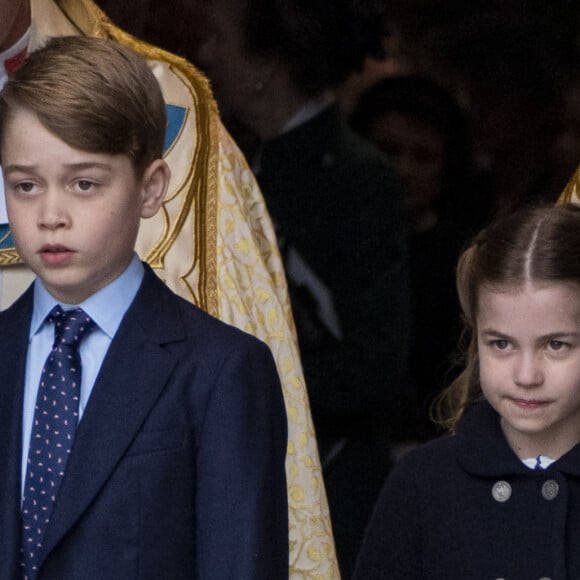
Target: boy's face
x,y
74,215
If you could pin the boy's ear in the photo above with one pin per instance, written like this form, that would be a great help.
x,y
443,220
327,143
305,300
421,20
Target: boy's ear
x,y
154,187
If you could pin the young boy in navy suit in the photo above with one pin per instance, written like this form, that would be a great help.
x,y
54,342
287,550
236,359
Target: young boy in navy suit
x,y
172,465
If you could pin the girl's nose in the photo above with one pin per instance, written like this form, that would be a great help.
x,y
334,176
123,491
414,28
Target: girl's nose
x,y
528,370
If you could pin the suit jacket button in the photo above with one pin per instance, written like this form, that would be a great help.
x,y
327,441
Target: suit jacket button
x,y
545,578
501,491
550,491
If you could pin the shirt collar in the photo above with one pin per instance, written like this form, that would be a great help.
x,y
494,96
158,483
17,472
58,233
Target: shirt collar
x,y
310,110
106,307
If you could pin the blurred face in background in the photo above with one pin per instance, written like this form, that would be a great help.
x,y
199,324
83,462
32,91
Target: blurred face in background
x,y
418,152
567,146
14,20
237,76
167,25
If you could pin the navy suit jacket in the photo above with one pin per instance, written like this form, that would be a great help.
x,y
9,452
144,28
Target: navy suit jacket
x,y
177,469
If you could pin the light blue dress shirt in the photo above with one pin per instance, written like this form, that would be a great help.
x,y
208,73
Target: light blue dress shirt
x,y
107,308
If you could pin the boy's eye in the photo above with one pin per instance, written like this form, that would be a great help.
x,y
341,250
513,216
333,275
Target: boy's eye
x,y
557,345
24,187
85,184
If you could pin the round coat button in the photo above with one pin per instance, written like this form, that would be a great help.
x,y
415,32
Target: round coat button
x,y
550,491
501,491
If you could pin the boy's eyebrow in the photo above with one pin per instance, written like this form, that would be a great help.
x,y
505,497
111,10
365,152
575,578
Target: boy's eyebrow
x,y
16,168
87,165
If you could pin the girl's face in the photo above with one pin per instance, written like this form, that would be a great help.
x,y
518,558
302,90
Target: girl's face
x,y
529,359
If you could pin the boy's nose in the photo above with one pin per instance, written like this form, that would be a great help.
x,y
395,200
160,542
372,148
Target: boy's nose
x,y
53,213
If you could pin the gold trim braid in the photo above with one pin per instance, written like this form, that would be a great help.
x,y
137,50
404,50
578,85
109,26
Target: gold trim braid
x,y
571,193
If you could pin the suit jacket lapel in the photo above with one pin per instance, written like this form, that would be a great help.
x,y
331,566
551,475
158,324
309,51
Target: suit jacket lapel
x,y
133,375
14,330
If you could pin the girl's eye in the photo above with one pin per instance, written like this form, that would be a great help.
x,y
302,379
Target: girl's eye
x,y
501,344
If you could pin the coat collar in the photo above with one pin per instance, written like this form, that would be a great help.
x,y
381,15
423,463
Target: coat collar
x,y
484,451
134,373
310,139
14,325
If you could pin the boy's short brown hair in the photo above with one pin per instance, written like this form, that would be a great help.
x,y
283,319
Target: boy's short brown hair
x,y
94,94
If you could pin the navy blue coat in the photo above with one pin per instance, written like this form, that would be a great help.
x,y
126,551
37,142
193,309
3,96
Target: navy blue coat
x,y
177,469
440,514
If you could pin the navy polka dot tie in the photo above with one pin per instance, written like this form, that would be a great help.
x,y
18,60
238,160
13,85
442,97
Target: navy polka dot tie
x,y
53,429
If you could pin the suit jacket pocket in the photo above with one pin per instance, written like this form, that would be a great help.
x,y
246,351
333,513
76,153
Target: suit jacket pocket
x,y
156,441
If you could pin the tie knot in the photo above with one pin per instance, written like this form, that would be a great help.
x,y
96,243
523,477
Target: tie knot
x,y
70,326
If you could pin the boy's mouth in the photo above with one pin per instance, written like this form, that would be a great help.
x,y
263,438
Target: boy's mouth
x,y
55,253
54,249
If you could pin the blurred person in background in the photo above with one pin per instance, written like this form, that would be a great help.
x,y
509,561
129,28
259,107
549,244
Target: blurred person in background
x,y
566,150
508,75
421,129
336,205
